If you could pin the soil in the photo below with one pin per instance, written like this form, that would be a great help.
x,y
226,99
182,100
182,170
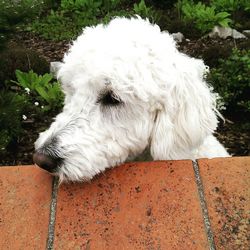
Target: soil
x,y
232,133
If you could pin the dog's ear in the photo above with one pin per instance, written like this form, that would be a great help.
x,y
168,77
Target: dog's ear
x,y
188,113
54,68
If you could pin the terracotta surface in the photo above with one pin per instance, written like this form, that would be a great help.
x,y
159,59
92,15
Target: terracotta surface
x,y
153,205
24,207
227,189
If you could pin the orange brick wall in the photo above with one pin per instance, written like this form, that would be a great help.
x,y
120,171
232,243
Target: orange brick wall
x,y
149,205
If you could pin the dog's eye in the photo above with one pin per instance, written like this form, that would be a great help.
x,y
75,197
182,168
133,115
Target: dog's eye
x,y
109,99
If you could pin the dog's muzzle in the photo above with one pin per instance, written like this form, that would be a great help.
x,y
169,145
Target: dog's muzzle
x,y
46,161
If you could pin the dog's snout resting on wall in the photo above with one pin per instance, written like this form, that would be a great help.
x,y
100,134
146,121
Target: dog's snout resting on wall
x,y
128,88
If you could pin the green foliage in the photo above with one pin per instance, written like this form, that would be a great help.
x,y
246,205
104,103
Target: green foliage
x,y
18,11
91,6
14,12
231,80
68,21
57,26
231,5
226,5
11,108
246,5
204,17
162,4
116,13
19,58
143,10
42,89
34,94
111,5
73,15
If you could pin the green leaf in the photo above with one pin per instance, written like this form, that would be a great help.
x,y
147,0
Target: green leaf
x,y
22,79
45,79
41,91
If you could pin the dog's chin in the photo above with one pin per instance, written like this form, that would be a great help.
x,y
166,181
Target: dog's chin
x,y
63,178
70,177
66,176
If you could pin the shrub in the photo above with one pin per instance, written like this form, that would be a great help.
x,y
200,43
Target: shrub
x,y
11,108
226,5
59,26
92,6
143,10
231,5
42,90
23,59
204,17
73,15
162,4
13,12
21,10
116,13
34,95
231,80
246,5
56,26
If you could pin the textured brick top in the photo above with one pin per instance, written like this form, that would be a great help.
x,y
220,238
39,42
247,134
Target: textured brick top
x,y
150,205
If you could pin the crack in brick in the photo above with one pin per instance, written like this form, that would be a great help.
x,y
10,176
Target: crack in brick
x,y
204,209
52,219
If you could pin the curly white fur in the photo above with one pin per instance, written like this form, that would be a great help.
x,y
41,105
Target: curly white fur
x,y
165,103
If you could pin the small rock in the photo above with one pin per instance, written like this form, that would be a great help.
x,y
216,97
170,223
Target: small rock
x,y
246,33
224,32
237,35
178,37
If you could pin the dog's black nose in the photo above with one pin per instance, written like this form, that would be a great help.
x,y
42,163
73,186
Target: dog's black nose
x,y
45,161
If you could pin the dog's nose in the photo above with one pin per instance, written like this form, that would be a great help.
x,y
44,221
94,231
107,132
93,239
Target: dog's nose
x,y
45,161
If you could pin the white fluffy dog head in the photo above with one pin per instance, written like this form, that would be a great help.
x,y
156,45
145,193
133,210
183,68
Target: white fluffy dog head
x,y
126,88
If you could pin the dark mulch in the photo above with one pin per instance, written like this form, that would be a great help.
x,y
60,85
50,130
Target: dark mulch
x,y
50,50
21,150
232,133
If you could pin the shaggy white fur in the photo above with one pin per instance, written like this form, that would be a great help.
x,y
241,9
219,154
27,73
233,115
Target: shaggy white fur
x,y
128,88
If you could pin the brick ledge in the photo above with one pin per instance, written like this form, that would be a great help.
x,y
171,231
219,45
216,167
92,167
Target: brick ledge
x,y
162,204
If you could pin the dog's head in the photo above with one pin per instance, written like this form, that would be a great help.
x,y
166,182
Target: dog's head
x,y
126,88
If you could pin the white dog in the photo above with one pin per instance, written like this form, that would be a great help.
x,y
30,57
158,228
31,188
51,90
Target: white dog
x,y
128,88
